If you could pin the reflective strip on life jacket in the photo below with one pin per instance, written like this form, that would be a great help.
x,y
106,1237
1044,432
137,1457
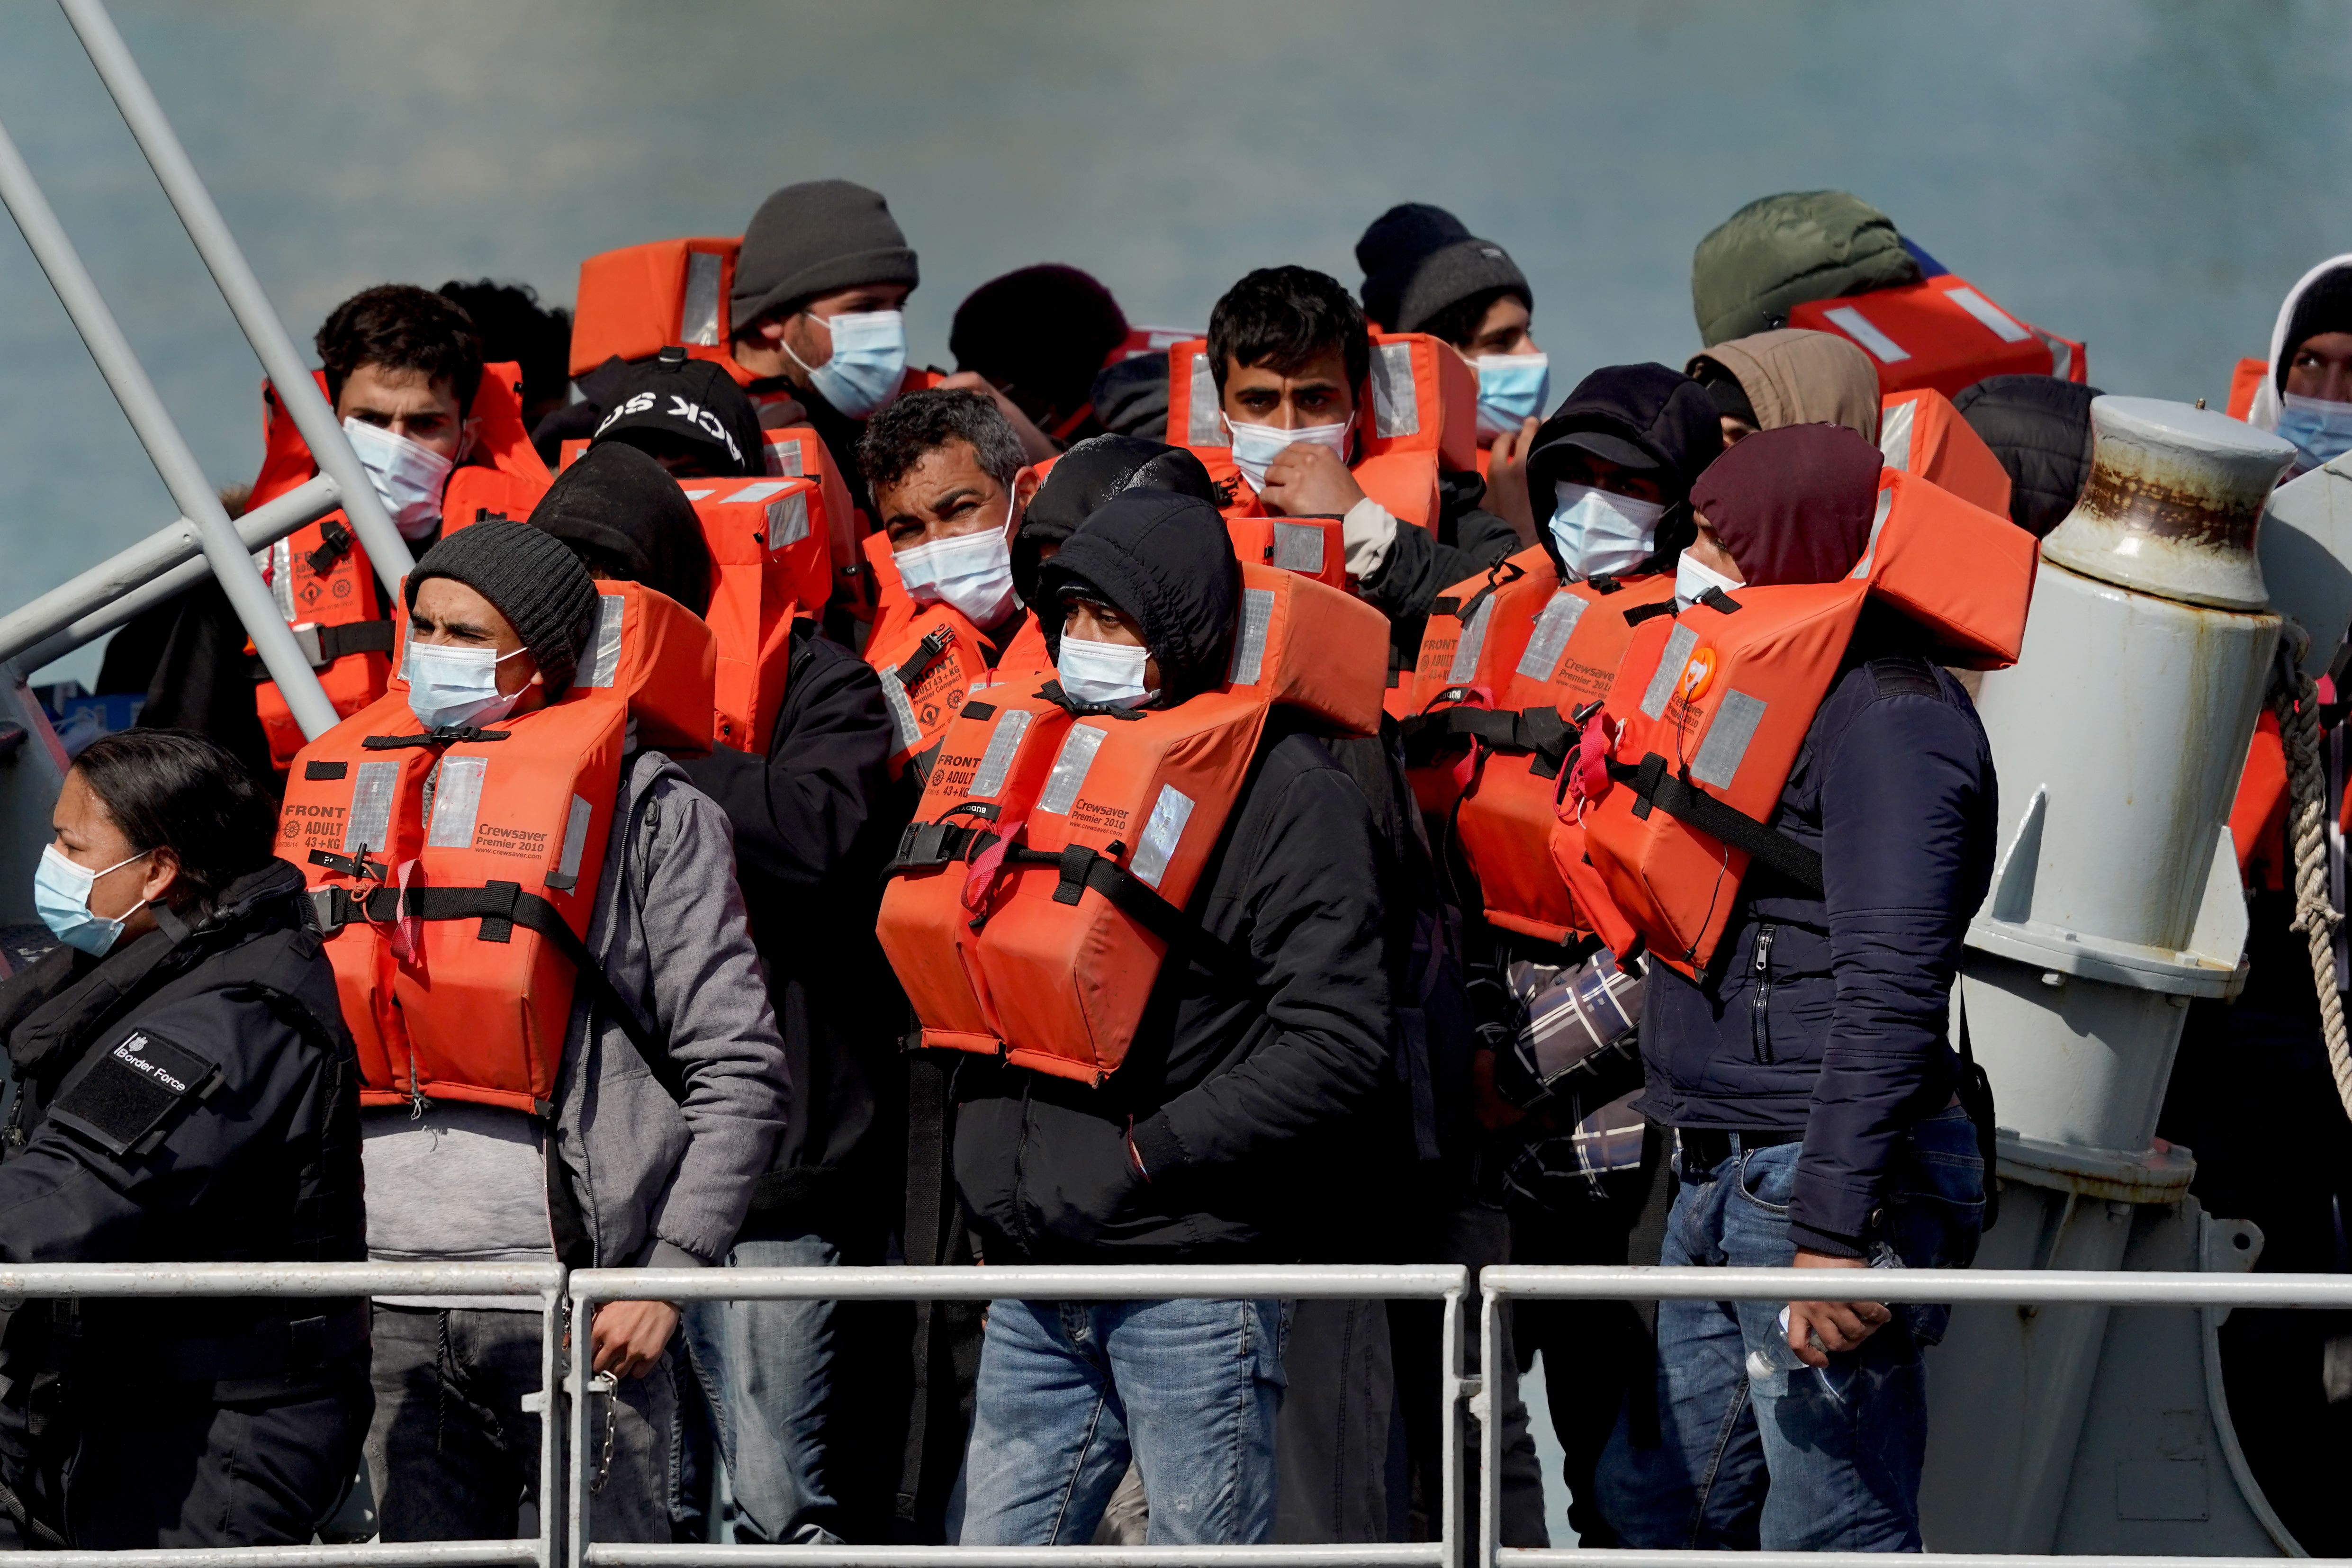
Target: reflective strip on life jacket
x,y
770,565
1921,432
637,301
454,983
1711,706
1312,546
1038,890
1941,332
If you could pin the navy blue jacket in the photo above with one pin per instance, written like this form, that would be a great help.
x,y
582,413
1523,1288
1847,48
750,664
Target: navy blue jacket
x,y
1830,1015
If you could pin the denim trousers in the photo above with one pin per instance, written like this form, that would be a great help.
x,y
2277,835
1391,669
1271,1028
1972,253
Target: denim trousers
x,y
1757,1449
767,1369
1068,1391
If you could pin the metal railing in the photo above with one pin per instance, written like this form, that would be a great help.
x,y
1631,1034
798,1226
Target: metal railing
x,y
86,1281
1504,1282
1447,1284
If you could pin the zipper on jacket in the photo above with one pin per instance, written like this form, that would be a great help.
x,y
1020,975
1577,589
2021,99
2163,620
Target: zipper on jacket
x,y
1759,1006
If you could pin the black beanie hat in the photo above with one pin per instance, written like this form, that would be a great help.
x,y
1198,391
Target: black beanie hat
x,y
617,508
2325,307
532,578
689,400
812,238
1418,259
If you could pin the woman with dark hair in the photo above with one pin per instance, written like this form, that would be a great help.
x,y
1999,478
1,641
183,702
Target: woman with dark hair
x,y
187,1092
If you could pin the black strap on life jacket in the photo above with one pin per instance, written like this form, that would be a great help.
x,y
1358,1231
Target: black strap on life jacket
x,y
446,735
501,907
1538,731
1502,571
928,652
1051,692
322,646
336,542
1655,607
1685,802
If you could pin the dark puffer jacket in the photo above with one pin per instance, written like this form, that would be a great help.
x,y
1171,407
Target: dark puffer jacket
x,y
1228,1090
1828,1015
2040,428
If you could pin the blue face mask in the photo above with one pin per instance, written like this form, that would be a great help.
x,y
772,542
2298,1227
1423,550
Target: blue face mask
x,y
2321,430
1511,388
453,685
61,894
869,361
1601,531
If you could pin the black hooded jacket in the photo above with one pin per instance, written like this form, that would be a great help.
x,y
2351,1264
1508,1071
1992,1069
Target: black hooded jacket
x,y
1086,476
2040,428
1231,1094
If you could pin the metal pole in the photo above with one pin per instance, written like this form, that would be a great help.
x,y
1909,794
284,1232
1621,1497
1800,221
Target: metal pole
x,y
1449,1432
263,329
165,563
552,1306
1489,1407
165,447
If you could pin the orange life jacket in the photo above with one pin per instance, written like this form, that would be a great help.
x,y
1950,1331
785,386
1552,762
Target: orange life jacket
x,y
1312,546
1941,332
2245,380
1509,660
1046,873
1417,414
458,932
770,565
1710,708
1921,432
322,579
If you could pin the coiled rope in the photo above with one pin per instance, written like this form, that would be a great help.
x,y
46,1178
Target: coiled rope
x,y
2294,697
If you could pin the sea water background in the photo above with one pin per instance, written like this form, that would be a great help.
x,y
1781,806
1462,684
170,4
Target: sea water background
x,y
2147,175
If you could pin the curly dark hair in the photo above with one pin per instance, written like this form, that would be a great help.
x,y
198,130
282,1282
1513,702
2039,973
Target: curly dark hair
x,y
402,327
1285,316
174,789
915,426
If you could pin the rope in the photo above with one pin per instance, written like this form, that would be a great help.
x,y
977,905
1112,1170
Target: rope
x,y
2297,706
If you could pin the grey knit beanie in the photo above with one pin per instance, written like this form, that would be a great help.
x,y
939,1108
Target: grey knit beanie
x,y
1418,259
812,238
532,578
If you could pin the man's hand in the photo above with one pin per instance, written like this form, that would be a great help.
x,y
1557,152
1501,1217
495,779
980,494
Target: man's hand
x,y
1034,443
1506,480
628,1336
1840,1325
1306,478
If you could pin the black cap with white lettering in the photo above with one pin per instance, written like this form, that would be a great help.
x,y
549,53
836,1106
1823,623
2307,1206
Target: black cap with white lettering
x,y
687,415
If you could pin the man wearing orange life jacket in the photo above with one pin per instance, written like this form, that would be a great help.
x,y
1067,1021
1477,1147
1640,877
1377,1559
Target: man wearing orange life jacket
x,y
1807,1076
1291,355
1221,1137
805,818
648,1149
1424,272
949,482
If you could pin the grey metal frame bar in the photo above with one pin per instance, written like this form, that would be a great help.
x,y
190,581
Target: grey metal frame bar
x,y
166,449
2045,1287
165,563
117,1280
263,329
1446,1283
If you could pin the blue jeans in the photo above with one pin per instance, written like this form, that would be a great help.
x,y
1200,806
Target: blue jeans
x,y
767,1370
1757,1449
1070,1390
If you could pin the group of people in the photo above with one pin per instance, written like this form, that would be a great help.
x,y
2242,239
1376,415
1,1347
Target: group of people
x,y
1143,797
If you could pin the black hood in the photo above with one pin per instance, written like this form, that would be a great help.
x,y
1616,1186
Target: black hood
x,y
2040,428
622,514
1167,560
1086,476
1643,416
675,400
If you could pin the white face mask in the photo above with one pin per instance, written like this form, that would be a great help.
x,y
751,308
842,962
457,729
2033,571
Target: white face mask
x,y
1256,445
1599,532
1102,671
448,687
1693,577
972,574
408,478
